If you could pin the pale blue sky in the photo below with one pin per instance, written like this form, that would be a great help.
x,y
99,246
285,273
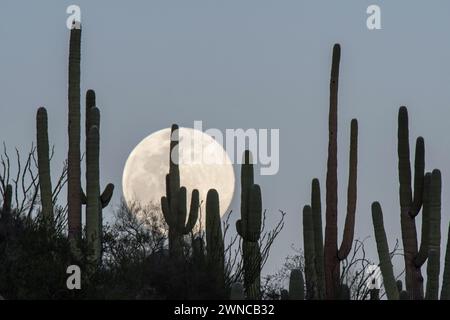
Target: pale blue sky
x,y
248,64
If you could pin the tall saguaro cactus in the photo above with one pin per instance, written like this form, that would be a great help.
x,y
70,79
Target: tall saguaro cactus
x,y
173,205
249,228
332,255
310,254
43,151
95,201
214,242
74,154
410,204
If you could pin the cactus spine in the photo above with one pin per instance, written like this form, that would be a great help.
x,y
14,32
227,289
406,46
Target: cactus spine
x,y
74,156
95,201
43,151
249,228
332,255
386,267
173,205
214,242
296,285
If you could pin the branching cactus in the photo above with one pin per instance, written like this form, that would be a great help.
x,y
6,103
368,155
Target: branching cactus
x,y
410,205
43,152
249,228
173,205
387,270
95,201
74,154
214,242
332,255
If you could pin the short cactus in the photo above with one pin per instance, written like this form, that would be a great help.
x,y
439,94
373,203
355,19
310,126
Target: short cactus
x,y
296,285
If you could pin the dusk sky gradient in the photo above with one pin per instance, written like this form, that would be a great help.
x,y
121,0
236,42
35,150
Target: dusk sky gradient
x,y
242,64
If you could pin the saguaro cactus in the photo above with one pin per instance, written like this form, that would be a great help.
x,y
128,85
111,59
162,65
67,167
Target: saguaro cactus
x,y
386,267
173,205
74,154
332,255
410,205
45,182
7,201
296,285
308,241
249,228
214,242
316,209
434,244
95,201
445,290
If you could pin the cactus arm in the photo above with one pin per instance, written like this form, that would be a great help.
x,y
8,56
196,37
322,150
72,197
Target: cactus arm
x,y
349,229
386,267
74,154
434,249
419,171
193,212
404,165
45,183
106,196
308,241
254,214
165,208
422,255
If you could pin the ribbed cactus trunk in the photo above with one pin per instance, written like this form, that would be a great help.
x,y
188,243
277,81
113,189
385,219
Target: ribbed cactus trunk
x,y
316,208
173,205
95,202
332,255
214,243
309,252
445,290
43,152
249,228
409,206
387,269
296,285
74,155
434,246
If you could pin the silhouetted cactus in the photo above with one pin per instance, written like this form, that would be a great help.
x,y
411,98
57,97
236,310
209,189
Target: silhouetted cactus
x,y
410,205
7,201
249,228
332,255
308,241
173,205
316,208
43,153
296,285
214,242
386,267
74,154
237,292
445,290
95,202
434,244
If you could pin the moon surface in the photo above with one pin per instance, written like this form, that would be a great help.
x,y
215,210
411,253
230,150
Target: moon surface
x,y
203,163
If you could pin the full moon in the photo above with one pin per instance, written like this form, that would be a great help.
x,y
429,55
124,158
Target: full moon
x,y
203,163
